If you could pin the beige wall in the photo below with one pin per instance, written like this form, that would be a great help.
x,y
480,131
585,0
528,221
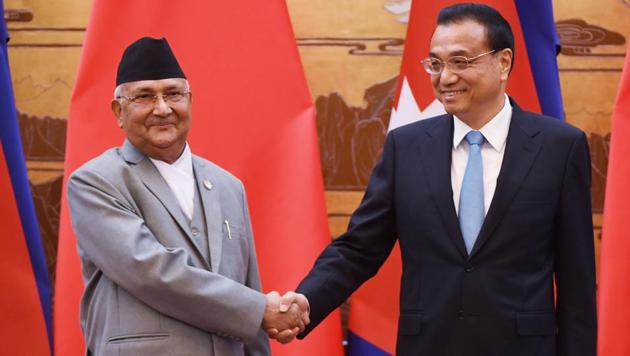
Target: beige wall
x,y
351,54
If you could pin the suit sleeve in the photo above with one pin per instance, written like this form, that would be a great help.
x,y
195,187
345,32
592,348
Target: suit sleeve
x,y
116,240
357,255
575,258
260,344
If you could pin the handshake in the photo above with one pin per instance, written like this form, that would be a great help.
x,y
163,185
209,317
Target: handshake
x,y
285,316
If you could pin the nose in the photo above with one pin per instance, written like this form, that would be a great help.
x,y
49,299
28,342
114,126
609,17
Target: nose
x,y
161,107
447,77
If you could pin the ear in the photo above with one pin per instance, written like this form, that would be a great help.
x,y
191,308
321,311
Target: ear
x,y
117,110
505,62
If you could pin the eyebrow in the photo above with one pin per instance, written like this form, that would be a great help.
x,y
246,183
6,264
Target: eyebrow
x,y
460,52
142,90
150,90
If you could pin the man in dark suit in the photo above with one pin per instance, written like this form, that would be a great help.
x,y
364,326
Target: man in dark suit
x,y
490,205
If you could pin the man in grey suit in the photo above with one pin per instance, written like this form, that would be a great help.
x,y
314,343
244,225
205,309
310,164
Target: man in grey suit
x,y
164,236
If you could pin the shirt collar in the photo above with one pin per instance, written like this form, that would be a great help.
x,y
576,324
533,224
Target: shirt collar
x,y
494,131
183,163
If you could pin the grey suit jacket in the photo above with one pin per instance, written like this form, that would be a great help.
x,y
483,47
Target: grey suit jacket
x,y
148,289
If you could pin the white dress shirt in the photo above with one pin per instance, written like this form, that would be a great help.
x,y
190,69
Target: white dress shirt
x,y
180,178
495,133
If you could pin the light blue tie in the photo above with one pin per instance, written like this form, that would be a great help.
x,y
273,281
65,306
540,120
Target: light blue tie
x,y
471,205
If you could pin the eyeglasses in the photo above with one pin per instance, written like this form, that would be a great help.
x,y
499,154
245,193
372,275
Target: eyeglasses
x,y
435,66
151,99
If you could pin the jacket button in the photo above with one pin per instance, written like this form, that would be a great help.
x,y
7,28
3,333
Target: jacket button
x,y
195,231
469,268
460,315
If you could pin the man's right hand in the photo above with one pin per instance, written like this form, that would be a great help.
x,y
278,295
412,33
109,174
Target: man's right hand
x,y
285,316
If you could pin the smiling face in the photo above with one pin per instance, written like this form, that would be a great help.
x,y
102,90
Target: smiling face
x,y
475,94
157,129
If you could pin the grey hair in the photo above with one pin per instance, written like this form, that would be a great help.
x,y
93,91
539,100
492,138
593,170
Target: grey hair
x,y
118,89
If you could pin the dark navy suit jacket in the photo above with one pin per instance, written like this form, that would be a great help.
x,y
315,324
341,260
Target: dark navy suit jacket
x,y
499,300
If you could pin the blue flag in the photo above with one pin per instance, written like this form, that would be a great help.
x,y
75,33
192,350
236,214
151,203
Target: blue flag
x,y
543,46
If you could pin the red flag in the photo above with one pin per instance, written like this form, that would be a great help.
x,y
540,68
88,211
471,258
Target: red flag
x,y
252,114
23,328
415,99
614,268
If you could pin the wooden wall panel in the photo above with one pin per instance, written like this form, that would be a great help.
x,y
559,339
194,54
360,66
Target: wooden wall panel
x,y
351,52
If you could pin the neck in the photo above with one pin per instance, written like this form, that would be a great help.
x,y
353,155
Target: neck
x,y
168,155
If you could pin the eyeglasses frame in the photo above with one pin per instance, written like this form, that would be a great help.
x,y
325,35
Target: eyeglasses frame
x,y
154,98
448,62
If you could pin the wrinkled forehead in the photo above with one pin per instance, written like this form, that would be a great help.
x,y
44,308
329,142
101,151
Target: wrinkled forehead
x,y
160,85
463,38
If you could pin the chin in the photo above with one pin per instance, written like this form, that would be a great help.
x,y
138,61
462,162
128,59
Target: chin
x,y
453,110
163,143
164,137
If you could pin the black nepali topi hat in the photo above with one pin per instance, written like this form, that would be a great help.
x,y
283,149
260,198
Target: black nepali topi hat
x,y
148,59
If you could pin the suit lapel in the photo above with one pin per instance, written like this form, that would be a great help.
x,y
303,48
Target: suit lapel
x,y
210,199
436,152
521,150
150,176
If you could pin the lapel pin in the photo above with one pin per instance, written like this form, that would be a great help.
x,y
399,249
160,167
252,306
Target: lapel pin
x,y
207,184
227,225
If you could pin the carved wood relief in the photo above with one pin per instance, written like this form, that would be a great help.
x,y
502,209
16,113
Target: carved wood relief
x,y
580,38
44,141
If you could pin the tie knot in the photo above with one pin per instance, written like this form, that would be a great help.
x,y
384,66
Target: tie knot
x,y
474,138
